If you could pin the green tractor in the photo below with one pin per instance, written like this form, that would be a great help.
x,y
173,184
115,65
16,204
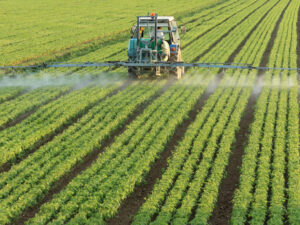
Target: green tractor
x,y
155,39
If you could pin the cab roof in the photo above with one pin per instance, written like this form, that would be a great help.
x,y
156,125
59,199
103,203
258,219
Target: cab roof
x,y
166,18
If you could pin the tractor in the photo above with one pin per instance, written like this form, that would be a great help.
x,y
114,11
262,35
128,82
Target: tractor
x,y
155,39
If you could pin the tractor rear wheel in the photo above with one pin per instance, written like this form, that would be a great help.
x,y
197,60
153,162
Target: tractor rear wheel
x,y
179,70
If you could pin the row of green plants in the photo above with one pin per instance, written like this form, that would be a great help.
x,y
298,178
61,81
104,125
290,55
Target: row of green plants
x,y
206,204
20,139
7,93
293,156
78,183
29,181
171,187
23,104
235,37
257,42
124,164
267,175
243,195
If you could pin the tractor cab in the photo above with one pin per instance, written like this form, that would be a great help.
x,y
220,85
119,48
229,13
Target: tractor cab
x,y
154,39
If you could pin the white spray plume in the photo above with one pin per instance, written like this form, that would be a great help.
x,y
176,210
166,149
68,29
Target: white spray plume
x,y
47,79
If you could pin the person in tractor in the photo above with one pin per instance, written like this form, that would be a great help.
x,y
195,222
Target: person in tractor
x,y
165,48
159,34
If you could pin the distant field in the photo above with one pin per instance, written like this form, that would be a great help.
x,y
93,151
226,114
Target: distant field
x,y
42,29
90,146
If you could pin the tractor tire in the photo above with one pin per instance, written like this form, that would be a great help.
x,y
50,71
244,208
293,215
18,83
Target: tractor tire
x,y
133,73
179,70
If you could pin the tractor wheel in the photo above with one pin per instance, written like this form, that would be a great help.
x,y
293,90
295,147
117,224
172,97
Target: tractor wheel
x,y
179,70
133,72
176,72
180,59
182,70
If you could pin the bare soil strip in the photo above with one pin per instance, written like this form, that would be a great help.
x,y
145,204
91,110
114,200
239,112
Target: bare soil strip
x,y
89,159
6,167
134,201
223,210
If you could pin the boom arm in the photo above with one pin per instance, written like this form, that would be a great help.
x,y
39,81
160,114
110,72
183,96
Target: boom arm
x,y
154,64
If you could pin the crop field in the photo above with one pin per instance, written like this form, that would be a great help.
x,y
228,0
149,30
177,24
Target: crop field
x,y
91,146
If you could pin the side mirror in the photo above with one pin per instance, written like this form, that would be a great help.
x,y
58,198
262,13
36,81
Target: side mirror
x,y
182,30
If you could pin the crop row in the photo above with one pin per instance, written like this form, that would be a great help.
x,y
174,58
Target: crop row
x,y
124,164
27,102
20,139
182,164
263,180
7,93
172,198
238,27
27,182
214,21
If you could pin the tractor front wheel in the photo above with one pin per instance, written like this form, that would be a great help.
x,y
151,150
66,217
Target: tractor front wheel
x,y
133,72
